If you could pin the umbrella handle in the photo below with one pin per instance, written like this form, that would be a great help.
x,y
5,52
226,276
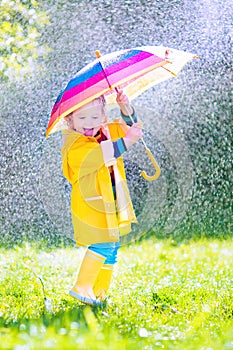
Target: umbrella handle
x,y
156,166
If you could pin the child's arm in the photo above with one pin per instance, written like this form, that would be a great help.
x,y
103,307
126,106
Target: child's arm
x,y
133,134
126,108
114,149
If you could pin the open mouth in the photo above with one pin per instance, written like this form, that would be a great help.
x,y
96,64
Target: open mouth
x,y
88,132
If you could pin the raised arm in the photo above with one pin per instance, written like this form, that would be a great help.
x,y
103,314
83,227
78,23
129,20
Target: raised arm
x,y
126,108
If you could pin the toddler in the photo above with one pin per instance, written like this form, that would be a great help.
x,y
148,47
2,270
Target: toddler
x,y
101,207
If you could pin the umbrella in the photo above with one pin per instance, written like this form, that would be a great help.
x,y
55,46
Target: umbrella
x,y
133,70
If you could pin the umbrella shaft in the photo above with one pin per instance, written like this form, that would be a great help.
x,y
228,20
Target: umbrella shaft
x,y
144,144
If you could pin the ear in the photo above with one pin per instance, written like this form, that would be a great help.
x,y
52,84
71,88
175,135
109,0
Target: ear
x,y
69,120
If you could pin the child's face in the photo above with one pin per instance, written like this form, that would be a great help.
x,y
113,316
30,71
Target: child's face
x,y
88,119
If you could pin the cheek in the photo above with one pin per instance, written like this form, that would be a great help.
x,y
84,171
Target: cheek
x,y
78,124
97,121
101,119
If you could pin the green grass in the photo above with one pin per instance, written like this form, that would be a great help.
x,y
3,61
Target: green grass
x,y
163,296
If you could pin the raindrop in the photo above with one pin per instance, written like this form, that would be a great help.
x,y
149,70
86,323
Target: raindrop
x,y
143,333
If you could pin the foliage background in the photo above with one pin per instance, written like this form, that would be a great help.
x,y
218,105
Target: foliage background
x,y
20,28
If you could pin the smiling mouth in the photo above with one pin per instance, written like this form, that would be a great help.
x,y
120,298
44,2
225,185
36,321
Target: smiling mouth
x,y
88,132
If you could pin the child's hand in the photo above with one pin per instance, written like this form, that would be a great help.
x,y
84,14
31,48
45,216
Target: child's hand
x,y
123,102
122,98
133,134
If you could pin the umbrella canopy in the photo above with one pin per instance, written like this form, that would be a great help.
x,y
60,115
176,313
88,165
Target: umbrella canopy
x,y
134,70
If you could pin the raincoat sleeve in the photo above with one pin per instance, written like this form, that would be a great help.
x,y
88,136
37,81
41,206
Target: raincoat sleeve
x,y
90,157
118,130
83,157
119,147
128,119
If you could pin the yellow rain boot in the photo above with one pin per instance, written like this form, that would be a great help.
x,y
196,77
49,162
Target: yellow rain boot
x,y
103,281
88,272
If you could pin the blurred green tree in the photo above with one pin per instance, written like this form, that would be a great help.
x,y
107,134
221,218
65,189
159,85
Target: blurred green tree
x,y
20,29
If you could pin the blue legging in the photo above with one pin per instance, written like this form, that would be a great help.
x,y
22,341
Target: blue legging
x,y
108,250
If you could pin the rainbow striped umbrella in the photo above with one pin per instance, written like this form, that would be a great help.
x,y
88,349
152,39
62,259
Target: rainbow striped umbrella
x,y
134,70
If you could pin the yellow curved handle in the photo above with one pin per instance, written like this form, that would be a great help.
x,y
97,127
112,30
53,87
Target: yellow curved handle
x,y
157,168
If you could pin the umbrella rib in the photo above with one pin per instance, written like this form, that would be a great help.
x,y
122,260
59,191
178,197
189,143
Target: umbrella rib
x,y
168,70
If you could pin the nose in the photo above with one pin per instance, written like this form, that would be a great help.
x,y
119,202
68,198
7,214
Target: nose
x,y
88,122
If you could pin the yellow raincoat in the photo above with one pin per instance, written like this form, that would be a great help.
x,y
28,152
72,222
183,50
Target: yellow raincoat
x,y
96,216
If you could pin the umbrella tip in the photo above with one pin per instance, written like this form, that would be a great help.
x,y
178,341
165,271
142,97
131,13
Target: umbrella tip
x,y
98,54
